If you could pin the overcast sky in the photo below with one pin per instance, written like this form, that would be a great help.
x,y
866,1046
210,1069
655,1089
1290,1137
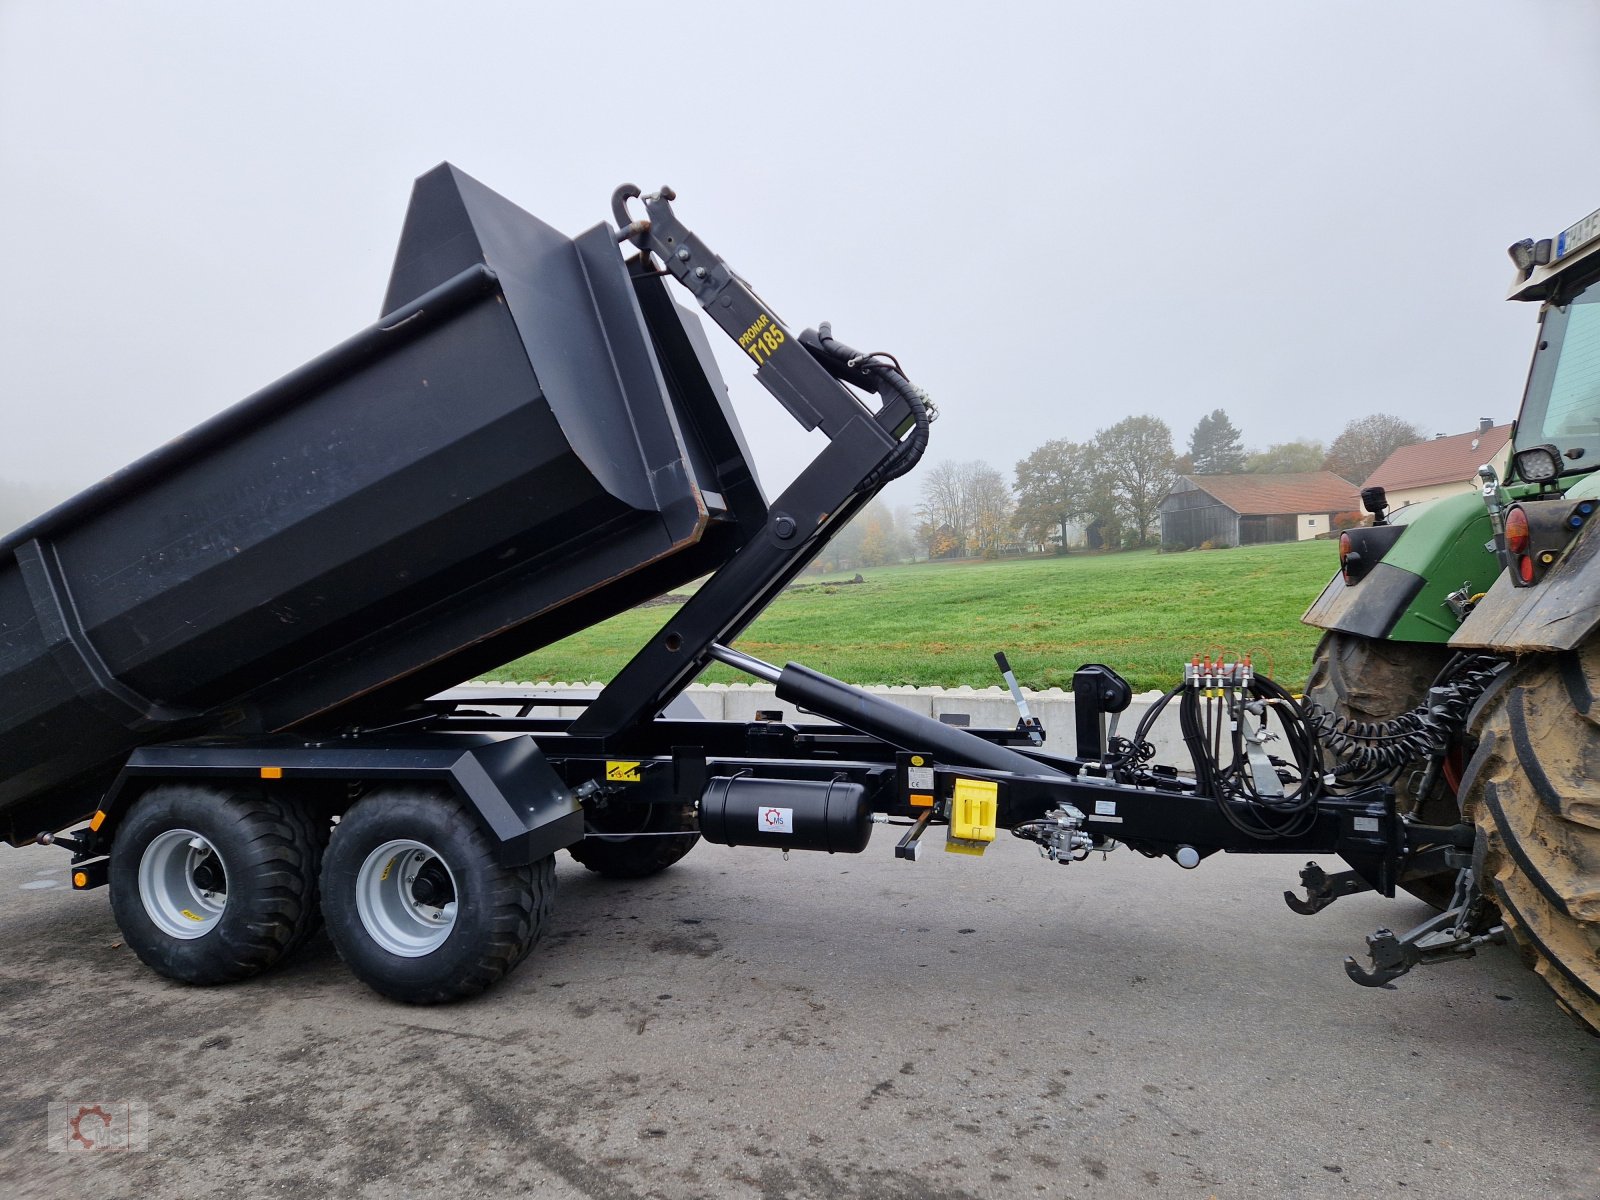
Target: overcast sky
x,y
1056,215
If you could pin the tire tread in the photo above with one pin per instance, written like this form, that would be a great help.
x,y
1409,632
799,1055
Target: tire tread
x,y
1527,789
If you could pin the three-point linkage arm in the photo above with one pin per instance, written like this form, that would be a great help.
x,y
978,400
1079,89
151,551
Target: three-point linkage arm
x,y
865,450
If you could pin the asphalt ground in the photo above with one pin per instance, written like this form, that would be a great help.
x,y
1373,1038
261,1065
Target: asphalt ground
x,y
747,1026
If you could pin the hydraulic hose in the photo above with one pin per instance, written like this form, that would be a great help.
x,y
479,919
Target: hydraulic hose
x,y
886,376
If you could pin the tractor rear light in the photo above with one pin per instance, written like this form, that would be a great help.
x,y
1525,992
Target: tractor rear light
x,y
1360,550
1517,533
1538,532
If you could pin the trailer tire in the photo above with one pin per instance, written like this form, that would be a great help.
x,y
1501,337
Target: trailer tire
x,y
1369,679
460,923
608,851
1533,790
268,852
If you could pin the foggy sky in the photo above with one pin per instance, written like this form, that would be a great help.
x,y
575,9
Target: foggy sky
x,y
1055,215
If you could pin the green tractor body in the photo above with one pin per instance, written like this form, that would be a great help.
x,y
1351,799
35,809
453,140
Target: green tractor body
x,y
1404,597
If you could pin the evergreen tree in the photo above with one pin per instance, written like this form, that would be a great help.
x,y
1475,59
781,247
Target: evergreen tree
x,y
1214,446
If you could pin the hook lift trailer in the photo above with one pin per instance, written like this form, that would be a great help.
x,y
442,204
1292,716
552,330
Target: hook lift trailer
x,y
228,657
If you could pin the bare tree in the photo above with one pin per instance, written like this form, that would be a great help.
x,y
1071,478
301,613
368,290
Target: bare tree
x,y
966,508
989,502
945,519
1365,443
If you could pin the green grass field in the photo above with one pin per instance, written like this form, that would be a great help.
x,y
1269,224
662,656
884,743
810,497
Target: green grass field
x,y
1142,613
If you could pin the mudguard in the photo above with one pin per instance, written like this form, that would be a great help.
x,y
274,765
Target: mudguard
x,y
1402,598
1558,614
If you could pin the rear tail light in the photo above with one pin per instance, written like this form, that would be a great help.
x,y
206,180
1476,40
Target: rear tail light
x,y
1349,560
1360,550
1537,534
1517,533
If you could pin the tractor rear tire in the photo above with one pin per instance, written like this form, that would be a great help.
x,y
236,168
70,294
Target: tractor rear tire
x,y
1368,679
1533,790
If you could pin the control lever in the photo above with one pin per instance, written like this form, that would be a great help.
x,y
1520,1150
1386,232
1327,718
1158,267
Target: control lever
x,y
1026,722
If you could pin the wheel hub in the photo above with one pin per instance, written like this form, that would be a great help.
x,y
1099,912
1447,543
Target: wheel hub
x,y
406,898
183,884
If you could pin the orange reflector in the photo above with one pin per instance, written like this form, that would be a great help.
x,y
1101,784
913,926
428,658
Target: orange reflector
x,y
96,821
920,801
272,772
79,879
1525,569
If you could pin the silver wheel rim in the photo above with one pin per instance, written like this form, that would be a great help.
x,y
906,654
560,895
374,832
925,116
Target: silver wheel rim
x,y
388,903
181,905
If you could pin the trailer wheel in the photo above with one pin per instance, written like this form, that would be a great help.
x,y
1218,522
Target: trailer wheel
x,y
1368,679
418,904
211,886
1533,790
615,849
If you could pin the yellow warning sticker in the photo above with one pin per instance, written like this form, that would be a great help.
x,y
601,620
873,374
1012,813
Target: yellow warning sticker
x,y
622,772
190,915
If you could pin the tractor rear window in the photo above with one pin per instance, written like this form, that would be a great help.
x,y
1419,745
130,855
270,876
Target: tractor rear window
x,y
1563,401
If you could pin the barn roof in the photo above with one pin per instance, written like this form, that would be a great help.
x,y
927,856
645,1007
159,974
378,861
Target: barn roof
x,y
1268,495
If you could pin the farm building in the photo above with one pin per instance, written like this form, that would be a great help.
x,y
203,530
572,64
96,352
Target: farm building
x,y
1244,510
1446,466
